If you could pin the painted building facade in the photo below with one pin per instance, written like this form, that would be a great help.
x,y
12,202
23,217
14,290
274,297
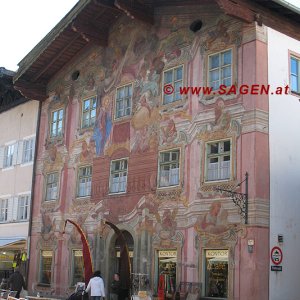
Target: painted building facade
x,y
18,121
119,142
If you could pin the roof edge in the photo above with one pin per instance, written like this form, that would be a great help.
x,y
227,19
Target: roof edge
x,y
27,61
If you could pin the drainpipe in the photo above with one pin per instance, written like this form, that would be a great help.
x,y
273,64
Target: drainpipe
x,y
32,191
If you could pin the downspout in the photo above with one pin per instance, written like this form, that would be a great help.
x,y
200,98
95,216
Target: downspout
x,y
32,191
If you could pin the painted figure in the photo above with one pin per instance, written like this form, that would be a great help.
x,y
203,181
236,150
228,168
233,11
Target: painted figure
x,y
103,126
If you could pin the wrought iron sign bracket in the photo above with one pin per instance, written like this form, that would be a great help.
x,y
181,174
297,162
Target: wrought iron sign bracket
x,y
239,199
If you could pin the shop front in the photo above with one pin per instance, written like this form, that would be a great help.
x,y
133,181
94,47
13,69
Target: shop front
x,y
13,253
166,273
216,273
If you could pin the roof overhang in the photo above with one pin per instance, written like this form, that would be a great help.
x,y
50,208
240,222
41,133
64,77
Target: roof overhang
x,y
90,20
13,243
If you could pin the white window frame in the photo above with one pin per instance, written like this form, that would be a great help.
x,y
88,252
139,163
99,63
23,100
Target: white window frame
x,y
168,183
58,132
220,155
175,83
23,207
84,181
120,185
90,112
50,185
296,75
3,210
47,254
126,109
28,153
9,152
220,68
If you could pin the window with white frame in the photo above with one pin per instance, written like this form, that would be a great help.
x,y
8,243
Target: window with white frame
x,y
78,266
84,181
8,155
169,162
56,125
46,266
52,187
88,112
118,176
123,101
173,80
295,74
23,207
3,210
218,158
220,69
28,150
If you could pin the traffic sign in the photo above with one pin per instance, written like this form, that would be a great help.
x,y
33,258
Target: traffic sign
x,y
276,256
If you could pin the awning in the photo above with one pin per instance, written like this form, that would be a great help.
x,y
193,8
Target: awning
x,y
13,243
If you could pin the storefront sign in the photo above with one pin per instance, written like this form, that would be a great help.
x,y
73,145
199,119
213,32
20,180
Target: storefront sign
x,y
217,253
167,253
276,268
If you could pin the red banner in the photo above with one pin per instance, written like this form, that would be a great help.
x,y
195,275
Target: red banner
x,y
87,259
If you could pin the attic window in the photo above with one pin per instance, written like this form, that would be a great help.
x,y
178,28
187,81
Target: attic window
x,y
75,75
196,25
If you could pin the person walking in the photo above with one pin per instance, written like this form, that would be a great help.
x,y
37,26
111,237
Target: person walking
x,y
16,282
115,287
96,286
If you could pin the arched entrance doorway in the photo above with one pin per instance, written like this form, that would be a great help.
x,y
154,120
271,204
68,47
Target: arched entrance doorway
x,y
115,263
130,244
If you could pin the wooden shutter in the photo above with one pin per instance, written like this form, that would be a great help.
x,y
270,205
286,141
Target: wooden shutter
x,y
20,152
15,155
1,156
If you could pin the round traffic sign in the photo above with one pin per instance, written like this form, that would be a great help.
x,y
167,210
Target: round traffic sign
x,y
276,255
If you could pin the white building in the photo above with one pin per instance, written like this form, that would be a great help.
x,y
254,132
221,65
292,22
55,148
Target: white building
x,y
18,120
284,69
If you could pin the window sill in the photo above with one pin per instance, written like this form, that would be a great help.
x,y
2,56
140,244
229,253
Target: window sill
x,y
122,119
48,285
117,194
30,163
8,168
170,187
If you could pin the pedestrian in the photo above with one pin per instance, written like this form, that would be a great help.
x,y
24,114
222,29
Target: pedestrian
x,y
115,287
96,286
16,282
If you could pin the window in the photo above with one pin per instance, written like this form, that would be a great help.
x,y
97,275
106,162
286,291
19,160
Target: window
x,y
88,112
220,69
46,267
28,150
3,210
8,156
78,267
295,77
169,168
173,78
118,176
56,123
218,160
85,181
23,208
123,101
52,187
